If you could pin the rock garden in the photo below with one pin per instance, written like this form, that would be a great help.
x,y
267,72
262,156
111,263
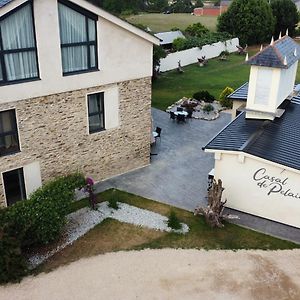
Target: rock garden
x,y
201,106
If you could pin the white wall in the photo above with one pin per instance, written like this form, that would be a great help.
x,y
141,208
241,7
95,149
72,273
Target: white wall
x,y
191,56
269,87
245,194
122,56
287,82
32,177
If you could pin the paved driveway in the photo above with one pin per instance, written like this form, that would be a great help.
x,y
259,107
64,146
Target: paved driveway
x,y
178,173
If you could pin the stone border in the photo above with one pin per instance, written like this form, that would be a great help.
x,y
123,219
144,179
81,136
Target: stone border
x,y
85,219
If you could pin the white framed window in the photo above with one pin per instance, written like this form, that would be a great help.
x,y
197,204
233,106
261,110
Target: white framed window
x,y
78,38
96,112
14,186
9,139
18,53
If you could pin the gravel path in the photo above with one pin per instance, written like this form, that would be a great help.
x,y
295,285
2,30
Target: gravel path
x,y
168,274
83,220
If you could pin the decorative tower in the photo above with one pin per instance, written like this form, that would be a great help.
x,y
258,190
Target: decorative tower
x,y
272,78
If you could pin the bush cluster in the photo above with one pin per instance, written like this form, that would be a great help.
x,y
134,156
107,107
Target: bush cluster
x,y
208,108
36,221
113,200
194,41
173,221
205,96
224,101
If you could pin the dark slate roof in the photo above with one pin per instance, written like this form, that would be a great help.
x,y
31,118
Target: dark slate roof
x,y
240,93
273,55
4,2
277,141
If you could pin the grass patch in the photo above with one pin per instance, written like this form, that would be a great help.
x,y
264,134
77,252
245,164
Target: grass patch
x,y
163,22
214,77
112,235
171,86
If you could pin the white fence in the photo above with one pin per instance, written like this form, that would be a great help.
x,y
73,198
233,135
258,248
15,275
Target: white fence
x,y
191,56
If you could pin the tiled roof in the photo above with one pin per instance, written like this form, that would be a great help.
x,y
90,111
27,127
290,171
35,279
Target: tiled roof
x,y
277,141
240,93
169,36
274,55
4,2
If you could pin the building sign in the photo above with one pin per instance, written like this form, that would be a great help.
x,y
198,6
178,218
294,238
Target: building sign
x,y
273,184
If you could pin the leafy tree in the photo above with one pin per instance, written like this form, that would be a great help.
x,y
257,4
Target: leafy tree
x,y
182,6
158,53
197,30
251,21
117,6
198,3
286,16
156,5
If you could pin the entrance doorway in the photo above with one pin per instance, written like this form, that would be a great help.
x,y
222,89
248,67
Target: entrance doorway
x,y
14,186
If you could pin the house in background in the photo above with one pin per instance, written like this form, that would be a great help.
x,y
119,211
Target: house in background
x,y
75,94
209,9
167,38
257,155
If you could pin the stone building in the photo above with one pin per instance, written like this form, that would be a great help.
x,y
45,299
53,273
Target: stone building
x,y
75,94
257,155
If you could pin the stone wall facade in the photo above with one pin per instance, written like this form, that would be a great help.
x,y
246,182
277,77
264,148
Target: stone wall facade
x,y
53,130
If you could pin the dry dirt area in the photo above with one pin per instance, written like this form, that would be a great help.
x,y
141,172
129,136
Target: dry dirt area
x,y
169,274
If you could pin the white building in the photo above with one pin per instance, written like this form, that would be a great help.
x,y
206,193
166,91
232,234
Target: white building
x,y
257,156
75,94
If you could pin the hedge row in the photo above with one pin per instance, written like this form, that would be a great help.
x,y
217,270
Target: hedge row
x,y
36,221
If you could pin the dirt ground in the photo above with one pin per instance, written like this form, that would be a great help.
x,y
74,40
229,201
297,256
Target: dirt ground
x,y
169,274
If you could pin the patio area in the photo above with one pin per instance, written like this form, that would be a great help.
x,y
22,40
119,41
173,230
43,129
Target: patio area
x,y
178,173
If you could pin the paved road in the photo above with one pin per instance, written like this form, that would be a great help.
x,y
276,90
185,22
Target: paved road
x,y
178,173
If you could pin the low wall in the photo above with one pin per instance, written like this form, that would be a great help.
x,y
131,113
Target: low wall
x,y
190,56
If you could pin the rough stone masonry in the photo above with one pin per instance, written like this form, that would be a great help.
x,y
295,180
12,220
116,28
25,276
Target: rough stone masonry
x,y
53,130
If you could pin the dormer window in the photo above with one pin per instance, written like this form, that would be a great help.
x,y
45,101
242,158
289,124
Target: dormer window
x,y
18,54
78,38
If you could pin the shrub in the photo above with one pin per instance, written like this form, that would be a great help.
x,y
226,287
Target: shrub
x,y
42,216
173,221
208,108
179,44
113,200
36,221
206,39
12,263
224,53
224,101
205,96
196,29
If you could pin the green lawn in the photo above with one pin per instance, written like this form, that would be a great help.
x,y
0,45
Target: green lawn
x,y
172,86
214,77
112,235
162,22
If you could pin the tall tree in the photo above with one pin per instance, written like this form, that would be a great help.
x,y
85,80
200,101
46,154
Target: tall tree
x,y
286,16
156,5
251,21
